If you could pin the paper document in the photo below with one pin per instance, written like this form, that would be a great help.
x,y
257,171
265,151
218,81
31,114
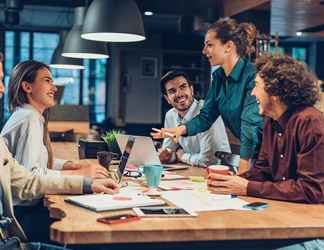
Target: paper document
x,y
183,185
169,176
104,202
203,201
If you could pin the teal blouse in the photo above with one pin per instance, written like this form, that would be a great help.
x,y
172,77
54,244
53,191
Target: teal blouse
x,y
230,97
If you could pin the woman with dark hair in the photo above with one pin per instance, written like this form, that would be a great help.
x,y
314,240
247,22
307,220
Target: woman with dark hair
x,y
31,94
229,44
17,184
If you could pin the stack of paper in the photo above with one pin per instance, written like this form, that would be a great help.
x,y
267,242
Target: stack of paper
x,y
203,201
104,202
183,185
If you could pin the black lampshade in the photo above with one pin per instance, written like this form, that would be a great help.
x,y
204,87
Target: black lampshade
x,y
113,21
60,62
76,47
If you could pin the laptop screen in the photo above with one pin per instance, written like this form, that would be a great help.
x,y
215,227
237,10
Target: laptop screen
x,y
143,152
124,157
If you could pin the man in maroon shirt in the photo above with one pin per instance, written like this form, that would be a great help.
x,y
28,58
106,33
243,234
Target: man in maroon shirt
x,y
290,162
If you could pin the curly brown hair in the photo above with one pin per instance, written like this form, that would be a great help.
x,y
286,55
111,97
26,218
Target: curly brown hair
x,y
241,34
288,79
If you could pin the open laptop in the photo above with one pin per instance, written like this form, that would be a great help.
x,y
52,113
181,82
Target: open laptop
x,y
129,143
144,152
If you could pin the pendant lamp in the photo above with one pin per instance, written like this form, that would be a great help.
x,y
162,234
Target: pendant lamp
x,y
113,21
76,47
60,62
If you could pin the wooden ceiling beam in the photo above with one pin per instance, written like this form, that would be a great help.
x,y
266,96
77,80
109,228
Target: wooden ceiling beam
x,y
234,7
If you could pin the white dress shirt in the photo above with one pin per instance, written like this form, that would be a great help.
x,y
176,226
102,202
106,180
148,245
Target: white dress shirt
x,y
23,134
199,150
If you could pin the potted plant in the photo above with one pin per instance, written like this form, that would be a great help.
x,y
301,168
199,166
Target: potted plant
x,y
110,138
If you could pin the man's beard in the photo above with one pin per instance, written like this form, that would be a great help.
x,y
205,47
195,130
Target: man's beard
x,y
185,109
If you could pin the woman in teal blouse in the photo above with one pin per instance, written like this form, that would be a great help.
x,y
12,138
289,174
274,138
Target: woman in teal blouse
x,y
228,44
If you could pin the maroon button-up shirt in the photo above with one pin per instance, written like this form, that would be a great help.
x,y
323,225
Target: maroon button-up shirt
x,y
290,165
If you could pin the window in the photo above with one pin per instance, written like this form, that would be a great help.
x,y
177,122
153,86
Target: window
x,y
94,89
298,51
299,54
21,46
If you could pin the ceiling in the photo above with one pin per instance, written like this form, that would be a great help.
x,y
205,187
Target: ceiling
x,y
283,16
177,7
290,16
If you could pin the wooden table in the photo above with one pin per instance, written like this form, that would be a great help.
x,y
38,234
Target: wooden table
x,y
282,220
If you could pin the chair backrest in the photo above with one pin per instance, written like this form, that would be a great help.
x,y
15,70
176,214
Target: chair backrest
x,y
229,159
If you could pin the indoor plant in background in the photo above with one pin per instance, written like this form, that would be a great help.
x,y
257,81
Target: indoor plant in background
x,y
110,138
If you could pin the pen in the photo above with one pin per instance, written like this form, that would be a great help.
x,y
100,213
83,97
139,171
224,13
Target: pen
x,y
166,133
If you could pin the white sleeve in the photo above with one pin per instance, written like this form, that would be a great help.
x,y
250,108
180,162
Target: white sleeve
x,y
167,142
58,163
29,140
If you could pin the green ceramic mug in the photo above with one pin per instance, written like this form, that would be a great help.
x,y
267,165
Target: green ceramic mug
x,y
153,175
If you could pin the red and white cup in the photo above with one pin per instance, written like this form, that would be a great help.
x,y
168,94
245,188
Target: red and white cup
x,y
219,169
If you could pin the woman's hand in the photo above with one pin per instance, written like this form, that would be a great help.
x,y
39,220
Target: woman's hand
x,y
71,165
173,133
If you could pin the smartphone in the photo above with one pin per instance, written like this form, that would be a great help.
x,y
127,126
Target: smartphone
x,y
162,212
256,205
117,219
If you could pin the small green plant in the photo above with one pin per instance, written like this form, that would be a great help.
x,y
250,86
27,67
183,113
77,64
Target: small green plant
x,y
110,138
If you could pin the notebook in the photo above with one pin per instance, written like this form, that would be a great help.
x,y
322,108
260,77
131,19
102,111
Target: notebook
x,y
105,202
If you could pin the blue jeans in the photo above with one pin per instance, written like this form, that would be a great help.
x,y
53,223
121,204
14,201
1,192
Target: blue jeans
x,y
317,244
43,246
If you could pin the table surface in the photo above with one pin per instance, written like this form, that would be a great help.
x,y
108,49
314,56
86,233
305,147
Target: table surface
x,y
282,220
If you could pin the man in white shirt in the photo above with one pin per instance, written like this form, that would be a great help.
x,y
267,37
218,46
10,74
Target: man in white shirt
x,y
198,150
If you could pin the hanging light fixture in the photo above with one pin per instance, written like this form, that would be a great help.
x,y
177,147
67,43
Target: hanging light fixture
x,y
113,21
76,47
60,62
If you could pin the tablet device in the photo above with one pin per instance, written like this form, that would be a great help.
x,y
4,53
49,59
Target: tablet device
x,y
163,212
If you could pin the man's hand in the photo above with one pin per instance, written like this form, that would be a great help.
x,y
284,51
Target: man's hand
x,y
244,165
226,184
165,156
179,154
107,186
